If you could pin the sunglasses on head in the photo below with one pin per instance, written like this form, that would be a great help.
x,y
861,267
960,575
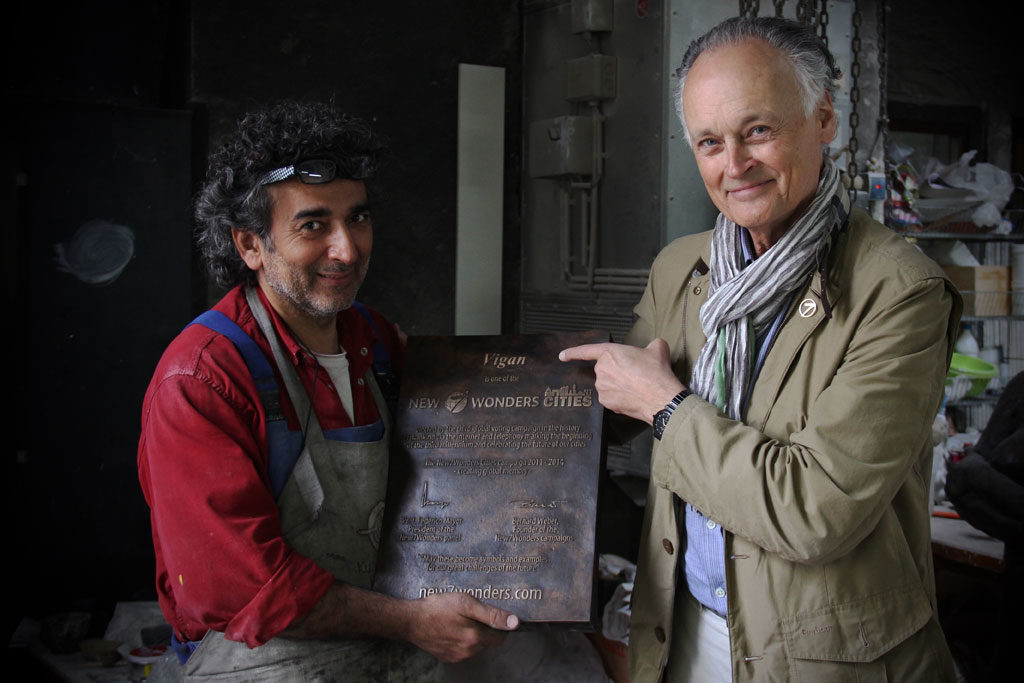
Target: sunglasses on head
x,y
318,171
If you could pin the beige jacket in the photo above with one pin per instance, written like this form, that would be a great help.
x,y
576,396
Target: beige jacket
x,y
823,490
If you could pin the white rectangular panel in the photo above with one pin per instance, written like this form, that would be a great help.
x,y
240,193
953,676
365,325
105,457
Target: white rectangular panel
x,y
481,162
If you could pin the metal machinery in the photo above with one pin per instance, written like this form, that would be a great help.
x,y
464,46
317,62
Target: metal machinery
x,y
608,177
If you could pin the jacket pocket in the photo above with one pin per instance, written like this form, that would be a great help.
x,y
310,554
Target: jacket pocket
x,y
812,671
857,632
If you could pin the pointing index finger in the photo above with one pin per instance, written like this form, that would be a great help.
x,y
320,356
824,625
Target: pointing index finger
x,y
584,352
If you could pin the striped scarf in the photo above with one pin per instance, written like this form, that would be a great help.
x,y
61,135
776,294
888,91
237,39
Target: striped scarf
x,y
743,302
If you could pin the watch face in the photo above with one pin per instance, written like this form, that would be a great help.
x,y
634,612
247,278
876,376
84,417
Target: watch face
x,y
661,421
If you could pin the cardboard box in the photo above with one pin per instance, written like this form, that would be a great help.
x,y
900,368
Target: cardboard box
x,y
986,289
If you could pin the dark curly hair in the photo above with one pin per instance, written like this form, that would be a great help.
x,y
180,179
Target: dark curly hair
x,y
267,139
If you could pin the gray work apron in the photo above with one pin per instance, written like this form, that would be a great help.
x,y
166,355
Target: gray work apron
x,y
331,511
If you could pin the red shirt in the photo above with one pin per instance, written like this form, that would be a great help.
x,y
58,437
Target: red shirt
x,y
221,562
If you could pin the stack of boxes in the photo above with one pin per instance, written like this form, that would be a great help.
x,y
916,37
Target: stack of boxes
x,y
992,293
986,289
1017,278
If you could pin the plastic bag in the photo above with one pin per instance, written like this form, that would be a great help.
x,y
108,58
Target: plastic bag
x,y
964,192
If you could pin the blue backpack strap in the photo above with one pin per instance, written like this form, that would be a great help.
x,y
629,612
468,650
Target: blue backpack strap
x,y
387,379
259,367
282,446
183,649
381,356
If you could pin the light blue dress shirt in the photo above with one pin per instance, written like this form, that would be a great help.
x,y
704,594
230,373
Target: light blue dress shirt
x,y
704,559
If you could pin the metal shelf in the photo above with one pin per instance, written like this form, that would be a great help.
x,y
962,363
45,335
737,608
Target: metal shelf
x,y
975,400
964,236
987,318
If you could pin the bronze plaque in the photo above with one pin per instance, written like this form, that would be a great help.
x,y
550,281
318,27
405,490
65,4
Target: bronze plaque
x,y
493,486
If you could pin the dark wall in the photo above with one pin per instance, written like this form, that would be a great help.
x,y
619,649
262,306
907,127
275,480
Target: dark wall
x,y
941,52
113,98
97,130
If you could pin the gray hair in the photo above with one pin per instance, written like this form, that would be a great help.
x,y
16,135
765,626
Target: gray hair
x,y
815,67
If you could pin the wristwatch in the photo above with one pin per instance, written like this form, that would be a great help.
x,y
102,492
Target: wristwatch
x,y
661,417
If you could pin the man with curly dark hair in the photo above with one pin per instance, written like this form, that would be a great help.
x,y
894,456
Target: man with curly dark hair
x,y
263,454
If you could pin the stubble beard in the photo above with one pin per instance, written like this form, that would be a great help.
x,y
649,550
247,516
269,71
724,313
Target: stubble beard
x,y
297,286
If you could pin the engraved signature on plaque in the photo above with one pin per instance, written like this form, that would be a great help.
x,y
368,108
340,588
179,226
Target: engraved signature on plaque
x,y
425,501
531,503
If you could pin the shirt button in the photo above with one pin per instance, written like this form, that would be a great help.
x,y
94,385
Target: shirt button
x,y
697,290
360,381
711,525
667,544
659,633
720,592
363,351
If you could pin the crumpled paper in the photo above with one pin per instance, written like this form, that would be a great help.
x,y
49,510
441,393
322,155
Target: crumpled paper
x,y
615,619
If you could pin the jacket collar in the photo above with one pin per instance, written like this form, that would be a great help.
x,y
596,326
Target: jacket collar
x,y
805,314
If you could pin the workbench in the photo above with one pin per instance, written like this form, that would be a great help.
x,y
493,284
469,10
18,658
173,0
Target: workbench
x,y
958,541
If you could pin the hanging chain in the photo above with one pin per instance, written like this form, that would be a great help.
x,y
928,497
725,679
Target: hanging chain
x,y
823,21
851,166
805,12
749,8
883,98
883,74
779,5
883,79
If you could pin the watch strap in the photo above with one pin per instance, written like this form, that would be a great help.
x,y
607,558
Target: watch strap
x,y
660,420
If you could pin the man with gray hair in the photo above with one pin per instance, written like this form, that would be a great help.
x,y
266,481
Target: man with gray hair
x,y
791,362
